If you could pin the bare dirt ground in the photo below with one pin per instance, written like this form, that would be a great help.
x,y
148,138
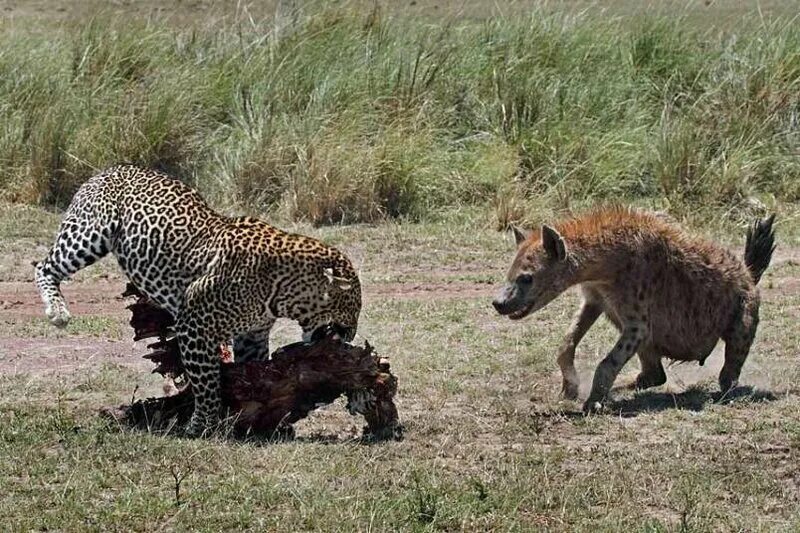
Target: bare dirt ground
x,y
489,443
35,357
19,302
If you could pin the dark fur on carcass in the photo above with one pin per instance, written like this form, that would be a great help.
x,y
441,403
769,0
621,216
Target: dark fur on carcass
x,y
267,397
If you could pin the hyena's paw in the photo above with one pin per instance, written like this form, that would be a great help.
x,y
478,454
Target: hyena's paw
x,y
647,381
569,390
58,315
727,382
592,407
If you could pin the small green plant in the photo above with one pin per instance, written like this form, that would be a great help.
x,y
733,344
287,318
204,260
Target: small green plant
x,y
425,501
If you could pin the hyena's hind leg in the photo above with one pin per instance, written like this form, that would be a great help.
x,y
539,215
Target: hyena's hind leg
x,y
652,374
82,239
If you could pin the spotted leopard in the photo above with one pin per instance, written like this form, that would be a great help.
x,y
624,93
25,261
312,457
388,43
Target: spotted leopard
x,y
221,278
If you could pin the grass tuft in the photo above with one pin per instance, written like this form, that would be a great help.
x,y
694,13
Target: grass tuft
x,y
338,115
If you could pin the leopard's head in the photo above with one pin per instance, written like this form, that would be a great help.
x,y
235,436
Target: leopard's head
x,y
331,301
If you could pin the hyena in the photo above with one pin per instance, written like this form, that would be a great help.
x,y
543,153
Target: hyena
x,y
670,294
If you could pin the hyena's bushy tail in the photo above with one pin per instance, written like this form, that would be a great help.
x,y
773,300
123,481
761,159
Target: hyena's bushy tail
x,y
759,247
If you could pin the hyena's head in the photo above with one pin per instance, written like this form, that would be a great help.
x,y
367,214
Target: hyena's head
x,y
539,273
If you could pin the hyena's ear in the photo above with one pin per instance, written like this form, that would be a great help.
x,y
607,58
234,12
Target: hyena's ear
x,y
343,284
520,235
553,243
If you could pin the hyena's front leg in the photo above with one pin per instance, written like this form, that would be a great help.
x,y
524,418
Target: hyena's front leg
x,y
737,347
584,319
608,369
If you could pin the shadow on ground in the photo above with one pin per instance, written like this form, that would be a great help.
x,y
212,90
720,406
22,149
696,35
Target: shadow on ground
x,y
692,399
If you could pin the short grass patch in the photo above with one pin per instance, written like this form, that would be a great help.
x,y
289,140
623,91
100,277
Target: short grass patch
x,y
488,444
86,326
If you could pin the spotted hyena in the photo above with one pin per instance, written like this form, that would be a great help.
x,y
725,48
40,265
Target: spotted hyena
x,y
670,294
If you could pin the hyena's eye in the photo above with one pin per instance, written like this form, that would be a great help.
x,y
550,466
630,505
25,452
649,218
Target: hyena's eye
x,y
525,279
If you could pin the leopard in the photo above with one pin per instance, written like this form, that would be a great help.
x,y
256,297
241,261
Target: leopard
x,y
224,279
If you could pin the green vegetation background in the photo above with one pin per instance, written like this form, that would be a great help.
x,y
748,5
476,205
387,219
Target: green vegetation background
x,y
346,114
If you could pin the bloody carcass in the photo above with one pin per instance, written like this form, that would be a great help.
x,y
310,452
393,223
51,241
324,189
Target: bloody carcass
x,y
266,397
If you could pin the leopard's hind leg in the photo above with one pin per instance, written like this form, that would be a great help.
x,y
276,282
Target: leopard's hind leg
x,y
85,235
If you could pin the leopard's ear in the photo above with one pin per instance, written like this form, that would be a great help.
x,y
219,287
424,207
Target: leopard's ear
x,y
343,284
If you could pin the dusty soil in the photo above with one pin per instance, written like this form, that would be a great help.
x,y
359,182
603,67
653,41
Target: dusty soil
x,y
19,302
61,356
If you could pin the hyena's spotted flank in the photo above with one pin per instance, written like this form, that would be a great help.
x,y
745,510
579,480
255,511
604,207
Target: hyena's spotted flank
x,y
669,294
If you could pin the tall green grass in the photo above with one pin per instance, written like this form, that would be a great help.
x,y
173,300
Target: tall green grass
x,y
332,115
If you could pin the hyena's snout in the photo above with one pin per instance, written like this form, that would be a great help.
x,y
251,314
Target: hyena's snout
x,y
506,300
514,302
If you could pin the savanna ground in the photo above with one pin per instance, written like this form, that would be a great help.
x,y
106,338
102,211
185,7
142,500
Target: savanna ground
x,y
488,443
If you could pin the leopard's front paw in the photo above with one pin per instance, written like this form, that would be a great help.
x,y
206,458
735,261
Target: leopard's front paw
x,y
199,426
